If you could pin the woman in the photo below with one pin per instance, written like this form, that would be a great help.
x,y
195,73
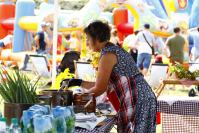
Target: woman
x,y
118,75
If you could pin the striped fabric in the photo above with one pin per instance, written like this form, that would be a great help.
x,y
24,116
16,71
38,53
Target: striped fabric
x,y
130,94
126,97
28,41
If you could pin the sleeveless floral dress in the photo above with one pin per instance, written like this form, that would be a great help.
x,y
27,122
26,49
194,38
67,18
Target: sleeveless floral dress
x,y
130,94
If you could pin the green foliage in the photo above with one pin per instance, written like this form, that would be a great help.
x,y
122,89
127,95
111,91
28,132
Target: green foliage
x,y
66,4
181,72
16,87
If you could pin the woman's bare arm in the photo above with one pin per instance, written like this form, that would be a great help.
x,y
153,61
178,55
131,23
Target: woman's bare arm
x,y
87,85
106,65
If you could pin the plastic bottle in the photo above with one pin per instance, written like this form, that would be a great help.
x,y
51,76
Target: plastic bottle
x,y
59,119
70,119
2,125
14,127
1,114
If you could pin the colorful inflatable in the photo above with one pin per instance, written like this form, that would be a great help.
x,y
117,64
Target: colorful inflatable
x,y
155,12
29,23
23,8
162,13
7,13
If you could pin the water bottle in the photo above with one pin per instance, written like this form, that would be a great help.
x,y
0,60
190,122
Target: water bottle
x,y
43,124
2,125
1,114
14,127
59,120
70,119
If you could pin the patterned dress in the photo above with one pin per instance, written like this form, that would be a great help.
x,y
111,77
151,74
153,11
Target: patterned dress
x,y
130,95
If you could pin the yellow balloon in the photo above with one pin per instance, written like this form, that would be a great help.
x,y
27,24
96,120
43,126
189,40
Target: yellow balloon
x,y
169,6
135,15
183,24
29,23
161,34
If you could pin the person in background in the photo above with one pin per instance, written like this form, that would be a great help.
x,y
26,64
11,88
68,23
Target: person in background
x,y
159,43
158,59
41,39
74,42
114,38
130,46
176,46
5,41
118,75
184,33
144,50
66,41
195,48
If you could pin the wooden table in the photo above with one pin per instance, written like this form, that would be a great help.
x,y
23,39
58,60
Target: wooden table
x,y
174,82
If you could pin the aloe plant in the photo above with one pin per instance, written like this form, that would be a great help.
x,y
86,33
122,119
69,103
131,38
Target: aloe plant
x,y
16,87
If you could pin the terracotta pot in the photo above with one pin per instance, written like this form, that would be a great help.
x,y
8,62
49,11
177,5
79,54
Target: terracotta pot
x,y
12,110
62,98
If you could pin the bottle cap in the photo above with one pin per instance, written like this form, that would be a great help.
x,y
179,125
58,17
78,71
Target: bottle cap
x,y
3,119
14,121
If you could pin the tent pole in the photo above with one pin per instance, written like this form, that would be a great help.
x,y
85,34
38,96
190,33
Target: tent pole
x,y
55,33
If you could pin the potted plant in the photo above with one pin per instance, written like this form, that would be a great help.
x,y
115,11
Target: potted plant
x,y
182,71
17,92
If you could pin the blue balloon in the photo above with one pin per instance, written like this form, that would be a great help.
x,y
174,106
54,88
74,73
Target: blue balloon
x,y
159,9
194,19
23,8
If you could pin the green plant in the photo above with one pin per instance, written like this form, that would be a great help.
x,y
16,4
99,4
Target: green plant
x,y
183,72
63,75
16,87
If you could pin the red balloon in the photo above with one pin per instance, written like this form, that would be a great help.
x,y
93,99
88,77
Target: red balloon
x,y
125,28
8,24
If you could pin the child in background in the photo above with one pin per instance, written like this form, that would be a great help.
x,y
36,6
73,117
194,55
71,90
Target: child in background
x,y
114,38
5,41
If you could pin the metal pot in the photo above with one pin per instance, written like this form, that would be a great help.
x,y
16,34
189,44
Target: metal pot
x,y
61,98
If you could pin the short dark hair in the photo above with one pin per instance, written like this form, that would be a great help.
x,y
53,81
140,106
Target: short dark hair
x,y
147,26
198,29
68,61
161,27
176,30
136,32
98,30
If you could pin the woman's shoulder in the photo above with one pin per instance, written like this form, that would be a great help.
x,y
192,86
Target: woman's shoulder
x,y
110,47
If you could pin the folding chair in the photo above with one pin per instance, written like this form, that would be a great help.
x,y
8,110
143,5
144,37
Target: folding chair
x,y
157,74
40,65
36,63
85,71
